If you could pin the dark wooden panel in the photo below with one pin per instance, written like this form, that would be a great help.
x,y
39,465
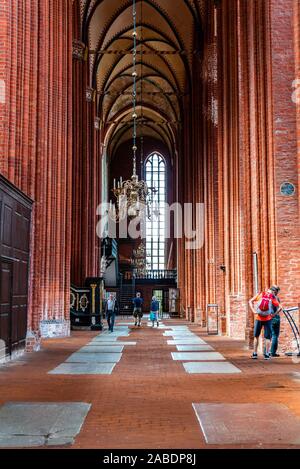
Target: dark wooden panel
x,y
7,225
15,219
19,303
6,269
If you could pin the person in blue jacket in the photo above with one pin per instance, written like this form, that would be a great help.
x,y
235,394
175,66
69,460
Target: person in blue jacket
x,y
154,311
137,309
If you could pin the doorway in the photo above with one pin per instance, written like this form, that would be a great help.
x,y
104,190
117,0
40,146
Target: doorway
x,y
163,297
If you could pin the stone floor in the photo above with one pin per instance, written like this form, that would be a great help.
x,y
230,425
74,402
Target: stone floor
x,y
158,391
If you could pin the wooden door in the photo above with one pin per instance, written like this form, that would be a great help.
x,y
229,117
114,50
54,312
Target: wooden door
x,y
15,219
5,307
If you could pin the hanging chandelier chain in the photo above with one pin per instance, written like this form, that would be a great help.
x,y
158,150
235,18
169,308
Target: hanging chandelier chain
x,y
133,197
141,93
134,86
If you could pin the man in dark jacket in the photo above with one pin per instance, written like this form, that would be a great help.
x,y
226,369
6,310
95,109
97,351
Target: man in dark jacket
x,y
111,309
137,309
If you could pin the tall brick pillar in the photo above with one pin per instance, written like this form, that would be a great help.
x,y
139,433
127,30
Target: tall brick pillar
x,y
258,154
36,144
241,158
87,157
285,148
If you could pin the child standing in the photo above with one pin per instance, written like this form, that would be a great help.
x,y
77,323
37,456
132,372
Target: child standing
x,y
154,311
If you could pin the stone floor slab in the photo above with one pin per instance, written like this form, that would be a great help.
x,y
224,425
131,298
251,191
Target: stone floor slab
x,y
179,327
210,368
183,337
105,339
83,369
183,341
113,335
28,424
101,349
230,424
179,333
86,357
193,348
113,343
161,326
16,441
193,356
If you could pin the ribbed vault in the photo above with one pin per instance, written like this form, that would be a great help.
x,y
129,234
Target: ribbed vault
x,y
166,37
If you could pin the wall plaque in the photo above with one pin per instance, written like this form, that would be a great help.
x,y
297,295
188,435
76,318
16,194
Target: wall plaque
x,y
287,188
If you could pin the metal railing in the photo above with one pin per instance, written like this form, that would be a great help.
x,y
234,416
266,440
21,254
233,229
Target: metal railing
x,y
151,274
287,312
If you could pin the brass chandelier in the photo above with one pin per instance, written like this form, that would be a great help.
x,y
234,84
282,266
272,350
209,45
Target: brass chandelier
x,y
133,197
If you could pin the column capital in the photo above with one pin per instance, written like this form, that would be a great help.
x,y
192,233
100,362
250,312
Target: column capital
x,y
90,94
79,50
97,123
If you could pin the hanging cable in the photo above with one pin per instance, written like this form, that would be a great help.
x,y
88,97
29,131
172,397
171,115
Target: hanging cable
x,y
141,81
134,74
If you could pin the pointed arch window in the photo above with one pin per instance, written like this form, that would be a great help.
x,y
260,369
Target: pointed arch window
x,y
155,175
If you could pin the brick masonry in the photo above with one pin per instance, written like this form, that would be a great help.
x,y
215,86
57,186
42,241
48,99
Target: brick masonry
x,y
36,139
147,401
234,161
257,140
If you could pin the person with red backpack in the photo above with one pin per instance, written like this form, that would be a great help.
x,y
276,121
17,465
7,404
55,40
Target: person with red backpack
x,y
263,306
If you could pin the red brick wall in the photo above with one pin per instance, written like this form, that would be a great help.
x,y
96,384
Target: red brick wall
x,y
4,64
236,169
36,139
285,150
297,78
86,170
240,179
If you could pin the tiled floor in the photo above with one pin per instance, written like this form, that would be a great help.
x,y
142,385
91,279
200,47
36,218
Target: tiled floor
x,y
201,356
248,424
195,359
90,359
39,424
149,400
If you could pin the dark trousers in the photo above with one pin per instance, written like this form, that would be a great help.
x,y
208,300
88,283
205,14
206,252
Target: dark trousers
x,y
111,316
275,335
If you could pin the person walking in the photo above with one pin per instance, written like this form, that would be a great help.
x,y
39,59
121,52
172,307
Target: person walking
x,y
111,309
275,326
262,306
154,311
137,309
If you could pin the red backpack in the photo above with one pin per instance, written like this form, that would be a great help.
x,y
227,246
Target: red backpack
x,y
264,307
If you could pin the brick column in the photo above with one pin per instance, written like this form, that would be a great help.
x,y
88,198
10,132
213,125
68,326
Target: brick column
x,y
86,171
296,96
36,141
257,153
285,148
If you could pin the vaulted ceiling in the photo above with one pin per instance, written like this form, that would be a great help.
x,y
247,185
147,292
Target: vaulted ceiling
x,y
166,32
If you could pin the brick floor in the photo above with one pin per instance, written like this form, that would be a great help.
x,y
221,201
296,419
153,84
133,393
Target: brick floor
x,y
147,401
